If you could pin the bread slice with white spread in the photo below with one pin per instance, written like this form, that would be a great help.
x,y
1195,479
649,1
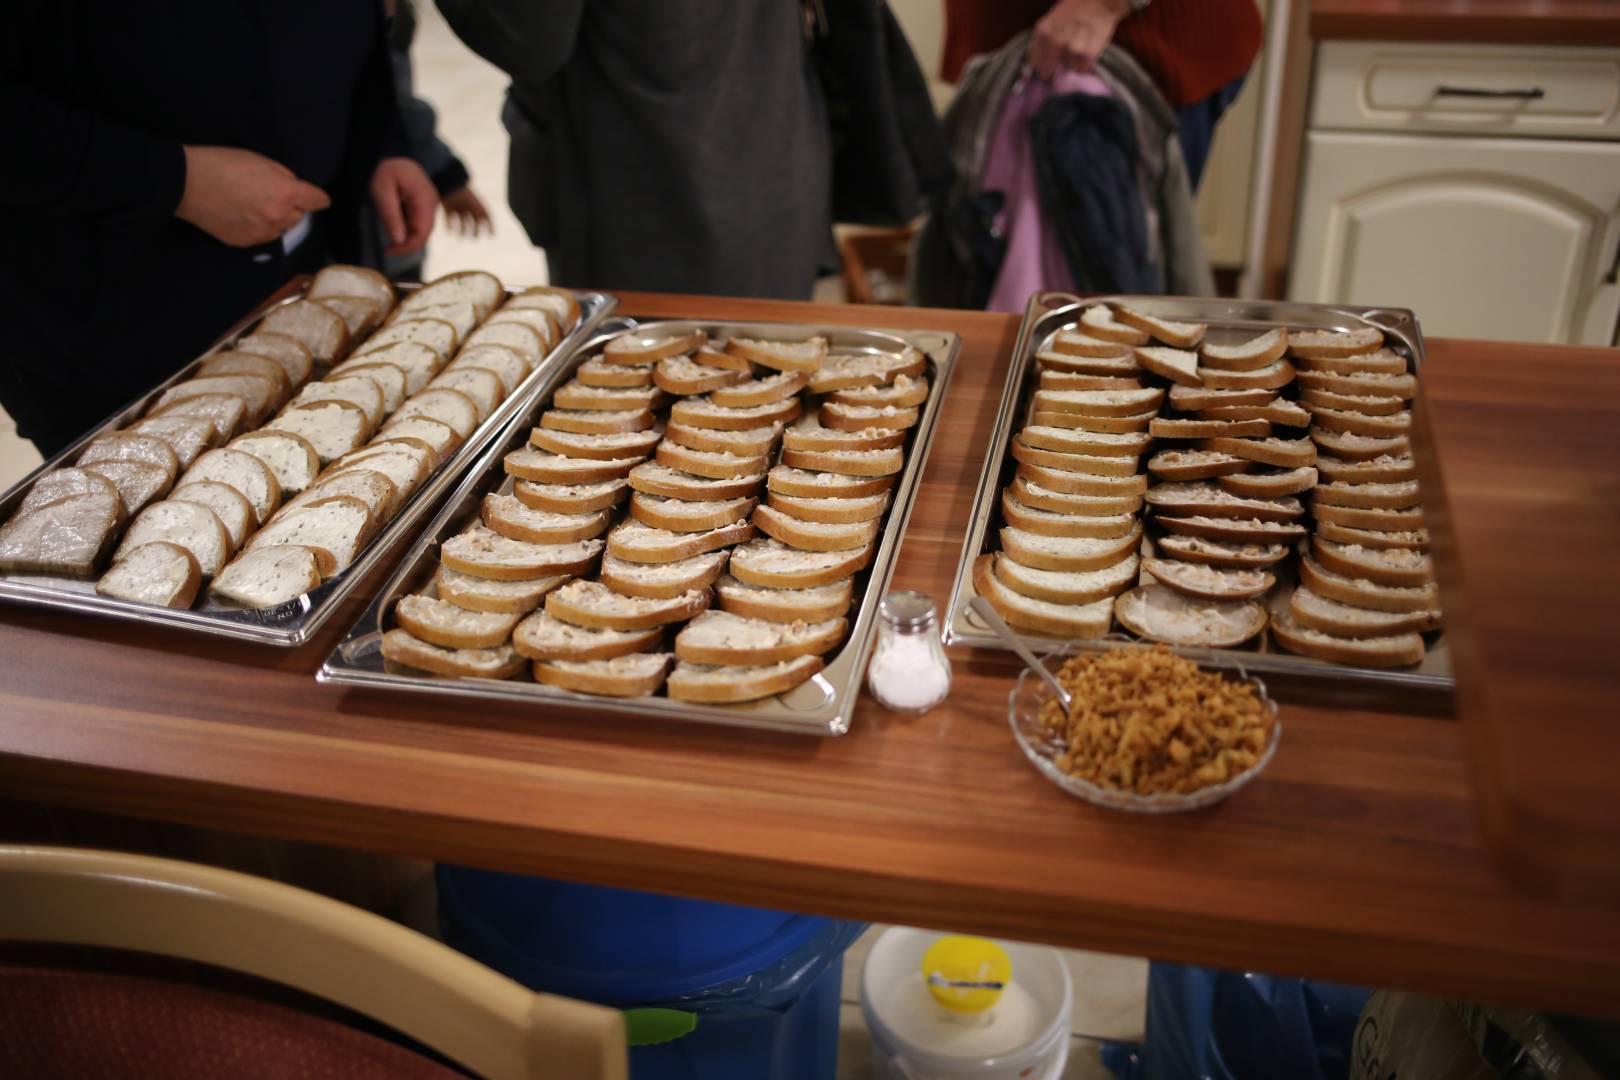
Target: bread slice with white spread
x,y
191,526
662,581
158,573
724,638
542,636
658,479
773,564
1066,586
1063,620
570,498
731,684
1068,552
402,647
268,576
635,675
817,604
1391,651
591,603
635,541
338,525
510,517
480,552
440,622
1205,582
1160,614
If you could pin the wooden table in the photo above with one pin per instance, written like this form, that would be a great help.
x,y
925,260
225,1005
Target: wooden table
x,y
1356,857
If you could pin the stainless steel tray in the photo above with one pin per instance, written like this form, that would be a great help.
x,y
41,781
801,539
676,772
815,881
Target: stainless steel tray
x,y
822,706
1228,321
294,622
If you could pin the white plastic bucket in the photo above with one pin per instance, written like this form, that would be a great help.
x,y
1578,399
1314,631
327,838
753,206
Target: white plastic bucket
x,y
897,953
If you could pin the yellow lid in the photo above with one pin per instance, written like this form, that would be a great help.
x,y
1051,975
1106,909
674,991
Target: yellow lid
x,y
966,974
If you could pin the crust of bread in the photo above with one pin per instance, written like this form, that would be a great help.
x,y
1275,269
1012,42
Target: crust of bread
x,y
1399,650
696,682
1055,460
1391,566
1195,464
1335,343
1080,620
1074,483
1204,582
814,535
787,479
1177,365
598,372
402,647
1360,592
1234,556
819,604
634,347
594,604
599,677
1254,485
684,516
570,498
1283,453
1068,553
1272,377
1057,523
657,479
773,564
774,642
1251,355
662,581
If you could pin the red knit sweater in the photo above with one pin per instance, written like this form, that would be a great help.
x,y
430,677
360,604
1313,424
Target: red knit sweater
x,y
1192,48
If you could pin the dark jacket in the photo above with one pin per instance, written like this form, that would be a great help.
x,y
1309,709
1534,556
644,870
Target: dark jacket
x,y
102,290
678,146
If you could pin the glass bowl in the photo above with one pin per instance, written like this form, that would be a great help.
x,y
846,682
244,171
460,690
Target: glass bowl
x,y
1042,748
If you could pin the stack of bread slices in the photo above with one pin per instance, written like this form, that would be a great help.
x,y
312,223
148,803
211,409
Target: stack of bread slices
x,y
1366,591
727,575
269,469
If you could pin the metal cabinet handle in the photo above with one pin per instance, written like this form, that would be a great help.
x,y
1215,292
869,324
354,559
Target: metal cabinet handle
x,y
1534,93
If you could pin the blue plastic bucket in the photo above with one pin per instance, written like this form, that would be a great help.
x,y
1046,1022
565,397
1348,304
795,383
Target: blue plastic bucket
x,y
763,986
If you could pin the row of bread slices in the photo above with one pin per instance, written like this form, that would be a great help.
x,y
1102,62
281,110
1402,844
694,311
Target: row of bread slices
x,y
338,490
781,598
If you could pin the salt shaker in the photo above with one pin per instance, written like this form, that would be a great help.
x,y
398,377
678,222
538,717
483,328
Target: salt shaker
x,y
909,671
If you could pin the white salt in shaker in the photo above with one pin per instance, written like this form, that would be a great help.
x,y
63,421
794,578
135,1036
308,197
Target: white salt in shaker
x,y
909,671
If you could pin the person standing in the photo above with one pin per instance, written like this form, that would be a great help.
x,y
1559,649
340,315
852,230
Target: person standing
x,y
170,165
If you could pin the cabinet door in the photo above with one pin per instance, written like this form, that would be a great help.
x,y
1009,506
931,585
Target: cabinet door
x,y
1506,239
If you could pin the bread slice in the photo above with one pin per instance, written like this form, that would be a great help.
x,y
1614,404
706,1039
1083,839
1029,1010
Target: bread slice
x,y
1204,582
577,395
507,365
591,603
905,392
656,479
1160,614
635,347
226,412
848,462
481,552
232,362
1183,335
67,537
635,675
1387,566
543,636
418,362
1076,483
1377,362
244,472
1391,496
1363,339
1177,365
136,482
187,436
1268,485
502,662
867,417
296,361
437,435
1121,366
1316,612
570,498
1063,620
1099,402
360,314
727,684
560,302
1416,539
1090,464
1054,523
339,526
679,515
1283,453
1073,380
662,581
362,392
343,280
625,444
1197,399
191,526
333,428
763,391
1074,343
636,541
1375,385
1251,355
439,622
505,515
831,510
65,483
1378,426
683,376
228,504
542,322
1066,586
319,329
1228,554
479,288
716,464
1249,530
775,565
724,638
1366,404
866,369
257,394
1195,464
159,573
752,442
1099,322
269,576
1201,428
804,355
484,594
810,484
288,455
589,422
814,535
372,487
1203,498
1271,377
811,605
542,467
808,434
481,386
1392,651
701,412
1383,469
598,372
1277,411
1362,593
1032,494
123,446
407,465
1073,553
1352,447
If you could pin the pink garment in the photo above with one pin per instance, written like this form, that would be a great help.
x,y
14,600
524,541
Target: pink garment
x,y
1034,259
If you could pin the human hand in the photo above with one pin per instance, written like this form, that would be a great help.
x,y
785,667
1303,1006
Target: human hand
x,y
1073,34
466,213
406,201
241,198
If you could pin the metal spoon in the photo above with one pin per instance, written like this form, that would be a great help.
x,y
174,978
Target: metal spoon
x,y
989,615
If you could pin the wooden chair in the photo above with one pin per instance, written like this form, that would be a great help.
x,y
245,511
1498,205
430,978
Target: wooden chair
x,y
442,999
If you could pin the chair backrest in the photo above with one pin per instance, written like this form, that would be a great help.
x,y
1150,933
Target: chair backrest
x,y
474,1016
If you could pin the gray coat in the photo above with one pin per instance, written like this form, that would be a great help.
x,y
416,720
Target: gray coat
x,y
677,146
